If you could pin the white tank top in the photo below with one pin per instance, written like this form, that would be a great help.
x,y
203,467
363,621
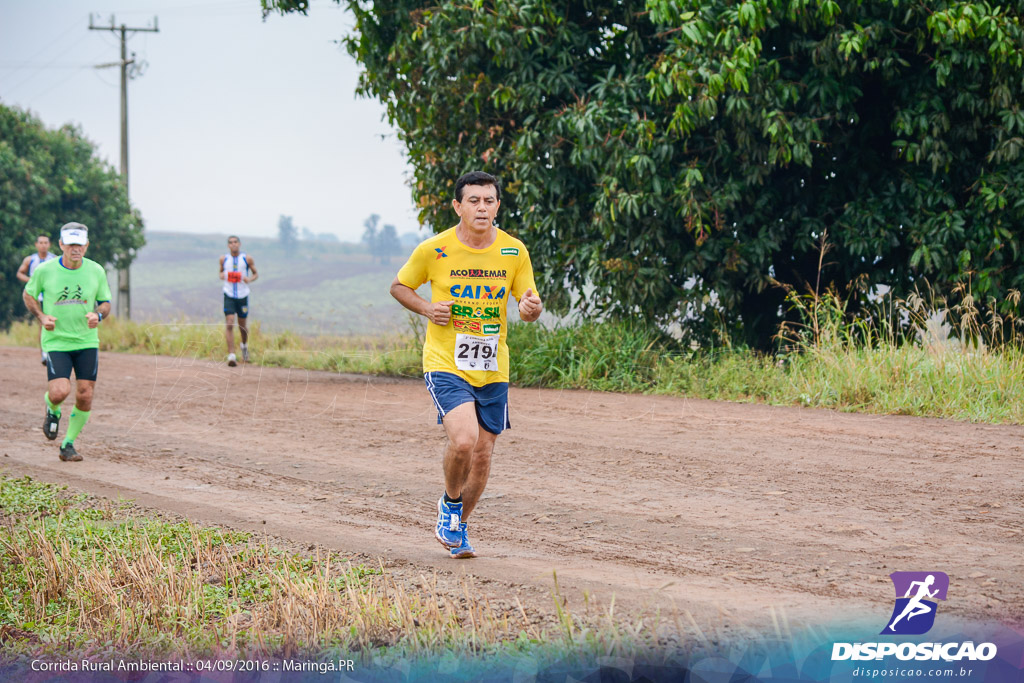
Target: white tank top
x,y
35,261
236,264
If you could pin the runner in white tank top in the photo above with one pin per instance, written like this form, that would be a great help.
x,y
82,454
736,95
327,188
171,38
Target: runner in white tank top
x,y
237,270
28,266
235,285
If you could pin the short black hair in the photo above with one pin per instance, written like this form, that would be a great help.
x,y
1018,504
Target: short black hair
x,y
233,237
477,178
46,236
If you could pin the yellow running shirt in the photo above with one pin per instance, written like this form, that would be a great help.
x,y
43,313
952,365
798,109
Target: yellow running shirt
x,y
479,282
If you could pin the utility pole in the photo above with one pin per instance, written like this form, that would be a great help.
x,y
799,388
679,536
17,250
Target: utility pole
x,y
124,295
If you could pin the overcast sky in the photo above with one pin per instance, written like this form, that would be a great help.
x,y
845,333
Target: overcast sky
x,y
234,121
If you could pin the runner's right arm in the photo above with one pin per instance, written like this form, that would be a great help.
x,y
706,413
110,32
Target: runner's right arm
x,y
32,304
438,313
221,276
23,269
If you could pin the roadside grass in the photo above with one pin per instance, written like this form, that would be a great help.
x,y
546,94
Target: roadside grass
x,y
395,355
924,356
95,578
975,384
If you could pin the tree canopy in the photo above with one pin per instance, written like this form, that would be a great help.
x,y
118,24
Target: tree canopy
x,y
678,160
287,233
52,177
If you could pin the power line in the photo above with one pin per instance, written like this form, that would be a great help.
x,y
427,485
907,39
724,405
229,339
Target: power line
x,y
99,76
52,87
32,73
53,42
48,88
22,65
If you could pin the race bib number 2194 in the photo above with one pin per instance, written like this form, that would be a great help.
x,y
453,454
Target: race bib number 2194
x,y
476,353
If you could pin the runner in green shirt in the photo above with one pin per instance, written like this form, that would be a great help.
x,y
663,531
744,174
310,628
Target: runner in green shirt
x,y
76,298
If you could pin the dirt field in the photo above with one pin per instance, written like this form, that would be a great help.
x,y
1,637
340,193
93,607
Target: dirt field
x,y
738,514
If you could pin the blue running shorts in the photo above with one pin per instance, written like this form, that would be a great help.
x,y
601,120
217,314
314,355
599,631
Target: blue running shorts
x,y
450,391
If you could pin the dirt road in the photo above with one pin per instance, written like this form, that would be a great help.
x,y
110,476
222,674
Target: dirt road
x,y
735,513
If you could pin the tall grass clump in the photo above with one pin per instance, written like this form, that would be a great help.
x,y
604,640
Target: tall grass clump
x,y
925,355
607,356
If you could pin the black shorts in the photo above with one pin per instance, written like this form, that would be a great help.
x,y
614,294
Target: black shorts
x,y
239,307
85,362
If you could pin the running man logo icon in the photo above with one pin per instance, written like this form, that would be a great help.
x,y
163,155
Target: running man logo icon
x,y
916,592
68,294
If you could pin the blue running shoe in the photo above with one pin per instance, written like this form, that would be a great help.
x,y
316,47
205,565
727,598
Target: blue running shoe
x,y
449,515
464,550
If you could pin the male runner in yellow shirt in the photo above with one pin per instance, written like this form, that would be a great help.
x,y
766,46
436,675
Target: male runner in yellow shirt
x,y
473,269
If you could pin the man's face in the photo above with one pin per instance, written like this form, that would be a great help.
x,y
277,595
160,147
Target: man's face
x,y
42,244
479,206
73,252
234,245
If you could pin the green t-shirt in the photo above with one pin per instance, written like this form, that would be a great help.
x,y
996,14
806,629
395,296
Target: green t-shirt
x,y
68,295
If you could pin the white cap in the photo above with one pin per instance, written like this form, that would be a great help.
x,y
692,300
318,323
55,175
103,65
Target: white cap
x,y
74,233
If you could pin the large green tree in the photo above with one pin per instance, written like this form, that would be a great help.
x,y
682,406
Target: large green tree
x,y
679,159
48,178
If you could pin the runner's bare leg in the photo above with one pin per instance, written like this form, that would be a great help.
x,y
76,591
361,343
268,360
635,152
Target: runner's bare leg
x,y
462,429
229,332
479,471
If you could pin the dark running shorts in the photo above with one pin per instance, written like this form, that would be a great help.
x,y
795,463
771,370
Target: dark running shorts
x,y
450,391
86,364
239,307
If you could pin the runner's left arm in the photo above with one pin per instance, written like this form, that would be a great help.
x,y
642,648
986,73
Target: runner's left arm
x,y
102,299
94,316
530,307
252,269
524,289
